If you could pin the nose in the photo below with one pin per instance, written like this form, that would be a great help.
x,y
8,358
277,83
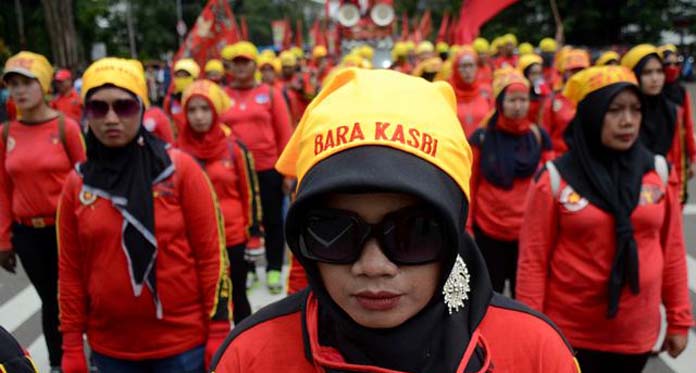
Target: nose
x,y
111,116
373,262
629,118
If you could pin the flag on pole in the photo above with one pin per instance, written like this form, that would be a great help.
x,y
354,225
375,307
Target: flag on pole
x,y
473,14
442,34
245,28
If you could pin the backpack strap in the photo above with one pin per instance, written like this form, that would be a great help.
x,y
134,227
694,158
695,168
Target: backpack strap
x,y
662,169
537,133
555,178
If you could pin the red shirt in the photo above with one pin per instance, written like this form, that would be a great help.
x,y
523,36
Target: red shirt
x,y
95,292
260,119
157,122
35,164
69,104
471,111
558,111
484,74
683,150
505,61
566,254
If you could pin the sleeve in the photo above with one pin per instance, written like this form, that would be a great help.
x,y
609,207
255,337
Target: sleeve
x,y
6,216
689,125
74,142
248,186
473,186
281,120
537,241
72,294
163,127
675,293
556,356
205,232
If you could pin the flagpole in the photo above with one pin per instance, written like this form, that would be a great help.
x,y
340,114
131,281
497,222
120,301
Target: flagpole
x,y
179,19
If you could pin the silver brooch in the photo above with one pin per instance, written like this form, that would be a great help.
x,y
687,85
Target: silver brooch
x,y
456,289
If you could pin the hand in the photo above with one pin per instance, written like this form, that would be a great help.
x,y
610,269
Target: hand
x,y
288,185
254,250
74,360
8,260
217,332
674,344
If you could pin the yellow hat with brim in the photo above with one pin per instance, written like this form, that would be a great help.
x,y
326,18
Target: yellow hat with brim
x,y
287,58
268,53
637,53
595,78
481,45
360,108
442,47
242,49
319,51
575,59
425,47
525,48
214,65
118,72
607,57
504,77
548,45
400,50
188,65
528,60
667,48
211,92
269,61
31,65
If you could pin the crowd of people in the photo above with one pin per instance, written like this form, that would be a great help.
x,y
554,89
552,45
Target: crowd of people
x,y
418,195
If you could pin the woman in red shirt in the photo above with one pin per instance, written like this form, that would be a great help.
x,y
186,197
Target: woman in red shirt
x,y
36,155
508,150
602,243
474,99
259,117
531,65
142,264
230,168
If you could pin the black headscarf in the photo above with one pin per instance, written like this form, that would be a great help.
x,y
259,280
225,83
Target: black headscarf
x,y
506,156
125,176
659,116
610,180
432,341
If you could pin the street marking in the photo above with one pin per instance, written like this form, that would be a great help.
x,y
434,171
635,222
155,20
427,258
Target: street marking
x,y
19,308
39,354
690,209
691,272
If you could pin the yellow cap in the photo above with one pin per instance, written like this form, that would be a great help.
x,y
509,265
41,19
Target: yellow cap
x,y
269,53
31,65
548,45
353,110
410,45
506,76
210,91
400,50
214,65
119,72
188,65
366,52
637,53
297,51
528,60
432,65
575,59
525,48
287,58
510,38
425,47
595,78
352,60
442,47
269,61
495,45
481,45
319,51
667,47
242,49
454,49
607,57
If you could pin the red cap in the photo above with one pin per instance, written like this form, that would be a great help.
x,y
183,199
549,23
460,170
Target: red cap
x,y
63,74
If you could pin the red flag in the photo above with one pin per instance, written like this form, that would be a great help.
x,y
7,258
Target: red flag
x,y
287,35
215,28
454,23
245,29
404,27
444,24
299,39
424,27
473,14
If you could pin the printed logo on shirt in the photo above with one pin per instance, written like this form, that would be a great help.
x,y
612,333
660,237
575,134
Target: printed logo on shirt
x,y
232,102
149,124
87,198
10,143
650,195
571,200
557,105
163,189
262,98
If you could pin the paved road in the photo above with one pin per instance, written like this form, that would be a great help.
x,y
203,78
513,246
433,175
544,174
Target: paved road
x,y
20,313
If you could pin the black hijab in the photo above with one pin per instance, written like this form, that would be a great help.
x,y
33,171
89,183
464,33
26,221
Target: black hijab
x,y
125,176
610,180
432,341
659,116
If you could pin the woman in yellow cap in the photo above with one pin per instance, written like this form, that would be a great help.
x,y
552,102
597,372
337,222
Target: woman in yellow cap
x,y
230,168
548,47
602,245
400,60
185,71
214,71
608,58
37,152
270,69
143,270
508,149
395,282
668,130
259,118
506,49
531,66
674,90
485,67
474,98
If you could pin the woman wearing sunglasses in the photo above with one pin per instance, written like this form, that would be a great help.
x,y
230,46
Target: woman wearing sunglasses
x,y
667,129
602,244
396,284
37,152
230,168
143,267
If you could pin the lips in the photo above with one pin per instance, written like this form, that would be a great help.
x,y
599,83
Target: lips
x,y
378,301
625,138
113,133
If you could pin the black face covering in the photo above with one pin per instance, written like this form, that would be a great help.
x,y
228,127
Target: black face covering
x,y
432,341
125,176
659,116
610,180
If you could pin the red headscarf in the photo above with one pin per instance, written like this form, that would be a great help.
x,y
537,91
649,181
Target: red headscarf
x,y
463,90
211,145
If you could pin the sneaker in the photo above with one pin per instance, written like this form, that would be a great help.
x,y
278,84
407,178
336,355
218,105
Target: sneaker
x,y
273,282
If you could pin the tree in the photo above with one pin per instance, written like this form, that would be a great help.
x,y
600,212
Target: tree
x,y
60,24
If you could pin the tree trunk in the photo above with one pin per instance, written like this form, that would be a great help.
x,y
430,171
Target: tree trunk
x,y
60,23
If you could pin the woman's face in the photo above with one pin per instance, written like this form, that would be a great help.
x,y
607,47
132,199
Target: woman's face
x,y
373,291
621,124
243,69
516,104
25,92
199,114
267,74
535,73
113,115
467,69
652,77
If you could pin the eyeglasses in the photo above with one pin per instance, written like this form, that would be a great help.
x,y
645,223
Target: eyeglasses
x,y
97,109
413,235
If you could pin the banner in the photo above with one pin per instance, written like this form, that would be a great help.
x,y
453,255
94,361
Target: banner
x,y
278,32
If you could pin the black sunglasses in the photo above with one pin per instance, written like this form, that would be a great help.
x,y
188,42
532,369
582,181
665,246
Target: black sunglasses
x,y
412,235
97,109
